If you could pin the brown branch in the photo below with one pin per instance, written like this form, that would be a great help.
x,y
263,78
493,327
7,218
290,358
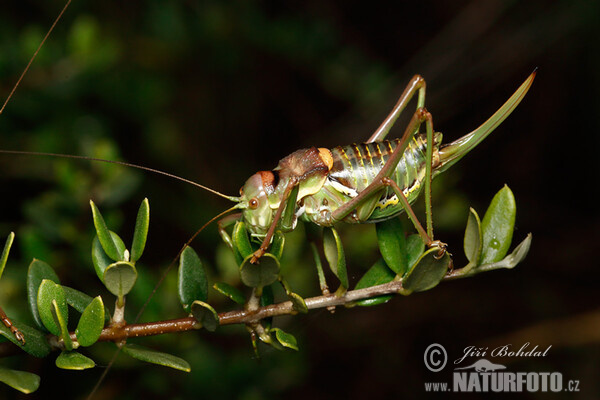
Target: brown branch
x,y
244,316
120,332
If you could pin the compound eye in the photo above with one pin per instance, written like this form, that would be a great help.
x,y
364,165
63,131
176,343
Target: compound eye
x,y
253,203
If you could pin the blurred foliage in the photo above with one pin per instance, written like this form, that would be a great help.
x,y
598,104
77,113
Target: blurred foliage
x,y
214,91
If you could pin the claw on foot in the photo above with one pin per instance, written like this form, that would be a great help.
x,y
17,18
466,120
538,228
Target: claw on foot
x,y
18,335
441,246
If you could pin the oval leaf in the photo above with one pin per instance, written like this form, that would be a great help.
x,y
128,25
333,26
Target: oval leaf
x,y
156,357
375,301
392,245
24,382
120,277
193,284
241,243
378,274
48,293
473,244
497,226
91,323
74,361
227,290
79,300
141,231
415,249
109,246
265,272
286,339
427,272
5,251
334,253
205,315
99,257
298,303
509,261
38,271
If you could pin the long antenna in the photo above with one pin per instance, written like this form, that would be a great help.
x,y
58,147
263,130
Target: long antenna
x,y
230,198
34,55
126,164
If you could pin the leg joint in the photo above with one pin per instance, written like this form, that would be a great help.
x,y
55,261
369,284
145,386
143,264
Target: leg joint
x,y
423,114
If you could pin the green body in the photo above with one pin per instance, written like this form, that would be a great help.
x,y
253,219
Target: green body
x,y
355,168
343,184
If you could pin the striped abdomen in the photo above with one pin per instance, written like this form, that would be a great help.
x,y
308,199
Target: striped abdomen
x,y
356,166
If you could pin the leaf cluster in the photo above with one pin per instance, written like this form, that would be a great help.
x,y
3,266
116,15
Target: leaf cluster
x,y
404,259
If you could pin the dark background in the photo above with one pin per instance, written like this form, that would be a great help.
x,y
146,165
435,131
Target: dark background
x,y
214,91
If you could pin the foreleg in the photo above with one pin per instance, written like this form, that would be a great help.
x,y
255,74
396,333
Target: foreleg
x,y
282,205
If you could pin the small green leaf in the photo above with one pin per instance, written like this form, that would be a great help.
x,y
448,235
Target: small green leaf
x,y
241,243
298,302
426,273
76,299
141,231
79,300
263,273
229,291
106,239
205,315
120,277
392,245
497,226
156,357
91,323
74,361
49,292
5,252
99,257
286,339
24,382
472,244
60,319
378,274
415,248
334,253
192,284
375,301
509,261
277,245
37,272
36,343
